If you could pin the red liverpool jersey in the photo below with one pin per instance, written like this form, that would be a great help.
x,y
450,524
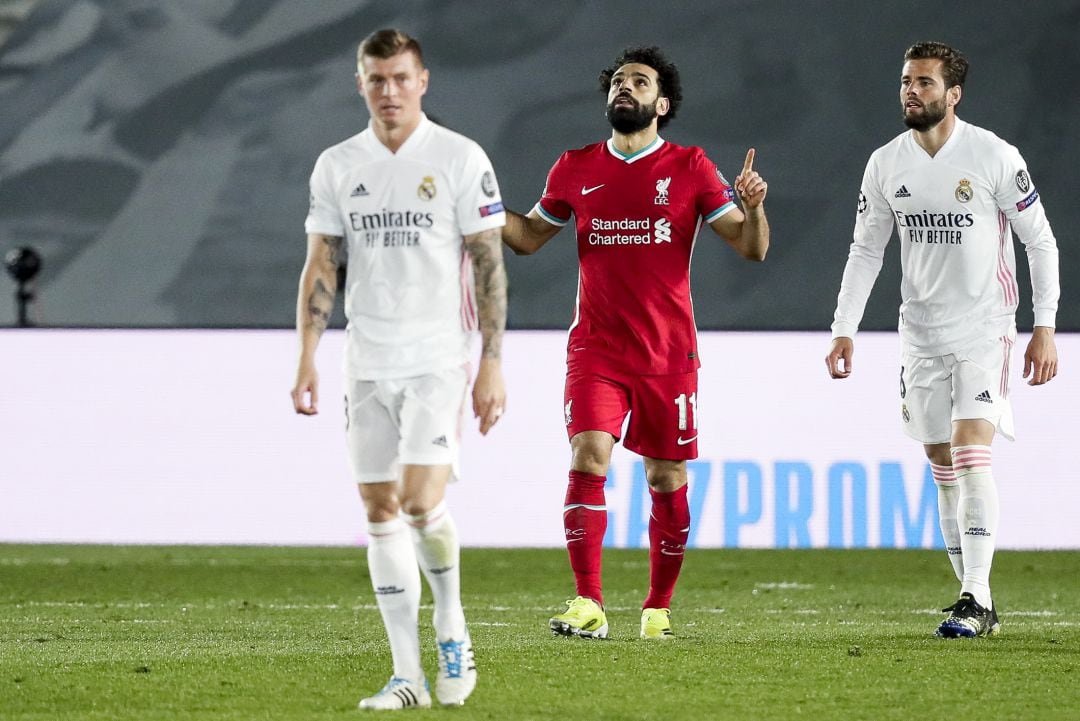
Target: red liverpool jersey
x,y
637,220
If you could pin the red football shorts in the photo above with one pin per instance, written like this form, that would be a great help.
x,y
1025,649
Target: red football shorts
x,y
662,410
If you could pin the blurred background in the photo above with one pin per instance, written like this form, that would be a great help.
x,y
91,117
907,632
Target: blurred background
x,y
156,153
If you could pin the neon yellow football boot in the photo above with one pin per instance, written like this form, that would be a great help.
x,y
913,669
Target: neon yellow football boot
x,y
583,617
656,623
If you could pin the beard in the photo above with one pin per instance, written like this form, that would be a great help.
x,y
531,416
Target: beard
x,y
630,120
930,115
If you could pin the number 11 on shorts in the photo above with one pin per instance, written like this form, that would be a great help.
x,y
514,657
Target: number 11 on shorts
x,y
685,407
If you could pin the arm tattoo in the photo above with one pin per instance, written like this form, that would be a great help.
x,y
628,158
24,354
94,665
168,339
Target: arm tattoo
x,y
485,249
336,247
320,302
320,305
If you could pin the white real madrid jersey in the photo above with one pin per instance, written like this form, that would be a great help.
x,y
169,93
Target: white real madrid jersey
x,y
954,214
409,295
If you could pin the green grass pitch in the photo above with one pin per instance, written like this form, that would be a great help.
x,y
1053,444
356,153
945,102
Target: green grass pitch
x,y
174,633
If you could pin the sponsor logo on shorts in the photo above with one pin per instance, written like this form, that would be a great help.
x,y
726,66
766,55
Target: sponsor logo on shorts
x,y
984,397
441,441
683,441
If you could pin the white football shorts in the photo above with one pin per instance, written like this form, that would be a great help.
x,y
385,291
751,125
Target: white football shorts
x,y
970,384
404,421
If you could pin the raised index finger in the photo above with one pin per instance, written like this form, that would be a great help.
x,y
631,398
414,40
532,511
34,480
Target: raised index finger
x,y
749,164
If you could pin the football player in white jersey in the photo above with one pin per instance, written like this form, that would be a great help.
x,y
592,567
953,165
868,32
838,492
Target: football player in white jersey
x,y
415,210
955,193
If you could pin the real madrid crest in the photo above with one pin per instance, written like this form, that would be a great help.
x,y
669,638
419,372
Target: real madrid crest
x,y
426,191
964,191
904,412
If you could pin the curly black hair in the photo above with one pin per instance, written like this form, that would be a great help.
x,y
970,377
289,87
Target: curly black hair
x,y
667,73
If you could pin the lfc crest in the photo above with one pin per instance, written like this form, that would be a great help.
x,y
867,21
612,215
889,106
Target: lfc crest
x,y
662,191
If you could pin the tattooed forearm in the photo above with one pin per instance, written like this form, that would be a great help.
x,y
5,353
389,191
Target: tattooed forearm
x,y
335,247
485,249
318,284
320,305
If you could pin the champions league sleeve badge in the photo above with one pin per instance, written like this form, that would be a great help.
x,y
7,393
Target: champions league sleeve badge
x,y
1023,181
487,184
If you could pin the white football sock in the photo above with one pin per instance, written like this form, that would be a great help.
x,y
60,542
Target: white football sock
x,y
396,581
948,494
439,553
977,514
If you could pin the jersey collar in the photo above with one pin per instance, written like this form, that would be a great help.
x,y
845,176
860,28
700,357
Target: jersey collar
x,y
415,139
634,157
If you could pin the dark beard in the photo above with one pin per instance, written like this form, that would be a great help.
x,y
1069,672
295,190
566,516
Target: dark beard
x,y
931,115
630,120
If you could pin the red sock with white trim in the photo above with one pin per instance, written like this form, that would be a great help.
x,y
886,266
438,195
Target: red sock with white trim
x,y
977,513
669,528
585,522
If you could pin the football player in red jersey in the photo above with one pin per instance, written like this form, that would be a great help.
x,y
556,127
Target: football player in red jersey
x,y
639,202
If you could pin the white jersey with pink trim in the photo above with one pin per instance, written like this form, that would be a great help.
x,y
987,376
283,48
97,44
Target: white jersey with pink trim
x,y
409,294
954,214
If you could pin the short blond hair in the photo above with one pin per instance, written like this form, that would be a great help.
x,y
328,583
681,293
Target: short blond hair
x,y
387,43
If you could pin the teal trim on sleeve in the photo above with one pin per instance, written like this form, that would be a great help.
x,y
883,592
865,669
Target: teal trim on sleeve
x,y
728,206
549,217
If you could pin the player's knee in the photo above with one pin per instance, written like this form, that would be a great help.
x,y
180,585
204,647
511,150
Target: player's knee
x,y
665,477
590,461
380,507
591,452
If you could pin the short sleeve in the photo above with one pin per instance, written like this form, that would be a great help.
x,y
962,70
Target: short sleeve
x,y
715,195
479,203
553,206
323,216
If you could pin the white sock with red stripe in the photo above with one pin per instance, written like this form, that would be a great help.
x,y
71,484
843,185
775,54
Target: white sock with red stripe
x,y
977,514
948,495
435,537
396,580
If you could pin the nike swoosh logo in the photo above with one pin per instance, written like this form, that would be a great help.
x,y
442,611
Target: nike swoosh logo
x,y
683,441
586,191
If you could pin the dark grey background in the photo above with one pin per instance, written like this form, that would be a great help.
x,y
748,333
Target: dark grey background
x,y
157,152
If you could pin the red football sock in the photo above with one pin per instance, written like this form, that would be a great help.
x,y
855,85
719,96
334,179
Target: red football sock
x,y
585,521
669,527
